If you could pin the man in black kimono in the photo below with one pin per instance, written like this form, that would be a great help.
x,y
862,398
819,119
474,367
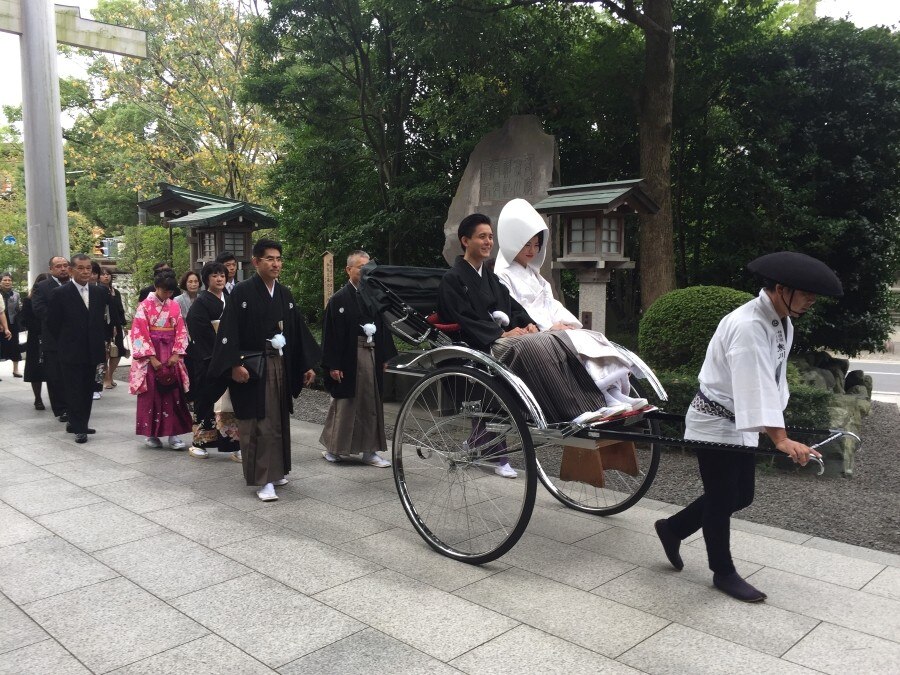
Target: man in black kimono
x,y
203,319
59,275
355,345
492,321
264,330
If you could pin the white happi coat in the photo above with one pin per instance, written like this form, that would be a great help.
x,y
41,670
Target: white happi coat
x,y
517,224
745,371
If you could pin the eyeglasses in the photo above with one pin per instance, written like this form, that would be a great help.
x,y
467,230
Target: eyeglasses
x,y
272,258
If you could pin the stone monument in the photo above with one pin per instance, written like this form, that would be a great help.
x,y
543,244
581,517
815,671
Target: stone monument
x,y
517,160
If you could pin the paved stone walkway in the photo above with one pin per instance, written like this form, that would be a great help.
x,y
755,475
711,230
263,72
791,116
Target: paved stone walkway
x,y
117,558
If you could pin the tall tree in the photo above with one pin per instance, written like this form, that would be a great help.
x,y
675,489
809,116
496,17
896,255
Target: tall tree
x,y
177,115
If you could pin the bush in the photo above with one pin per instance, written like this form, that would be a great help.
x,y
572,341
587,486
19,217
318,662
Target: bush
x,y
676,330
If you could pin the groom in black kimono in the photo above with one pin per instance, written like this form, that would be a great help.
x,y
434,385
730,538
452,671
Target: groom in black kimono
x,y
264,330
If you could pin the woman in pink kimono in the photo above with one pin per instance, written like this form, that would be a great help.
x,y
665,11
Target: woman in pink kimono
x,y
158,341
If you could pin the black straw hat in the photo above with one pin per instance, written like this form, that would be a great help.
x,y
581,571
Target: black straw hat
x,y
798,271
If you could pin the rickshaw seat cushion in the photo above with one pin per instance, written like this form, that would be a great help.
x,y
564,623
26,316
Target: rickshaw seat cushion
x,y
435,321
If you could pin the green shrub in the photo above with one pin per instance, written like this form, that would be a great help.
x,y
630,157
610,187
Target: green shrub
x,y
676,330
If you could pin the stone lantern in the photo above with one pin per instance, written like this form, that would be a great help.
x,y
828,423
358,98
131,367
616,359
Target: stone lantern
x,y
591,227
213,224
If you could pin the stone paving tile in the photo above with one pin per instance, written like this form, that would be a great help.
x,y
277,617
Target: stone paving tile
x,y
99,526
181,468
43,453
758,626
44,567
16,628
46,496
113,623
268,620
677,650
43,657
586,619
303,564
341,492
837,651
769,531
234,492
92,470
881,557
210,655
823,565
169,565
349,469
845,607
121,452
145,494
563,526
366,652
406,552
646,551
211,523
887,583
528,650
391,513
14,470
16,528
440,624
571,565
324,522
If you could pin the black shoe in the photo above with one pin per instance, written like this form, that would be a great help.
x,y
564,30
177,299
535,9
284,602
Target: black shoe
x,y
733,585
70,430
16,375
39,405
64,417
670,543
81,438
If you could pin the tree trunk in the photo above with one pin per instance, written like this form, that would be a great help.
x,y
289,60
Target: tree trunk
x,y
657,254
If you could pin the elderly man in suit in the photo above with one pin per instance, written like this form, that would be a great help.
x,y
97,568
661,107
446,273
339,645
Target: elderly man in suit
x,y
40,303
78,309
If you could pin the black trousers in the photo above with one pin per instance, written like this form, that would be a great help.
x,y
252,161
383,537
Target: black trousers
x,y
79,379
55,384
728,484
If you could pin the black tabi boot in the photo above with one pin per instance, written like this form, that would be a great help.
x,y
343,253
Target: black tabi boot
x,y
670,543
737,588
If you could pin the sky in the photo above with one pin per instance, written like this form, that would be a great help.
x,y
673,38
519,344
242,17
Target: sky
x,y
863,13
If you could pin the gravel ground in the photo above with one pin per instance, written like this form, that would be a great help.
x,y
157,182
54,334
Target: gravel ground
x,y
863,510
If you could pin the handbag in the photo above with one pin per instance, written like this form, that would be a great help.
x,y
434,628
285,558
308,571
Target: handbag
x,y
113,350
254,362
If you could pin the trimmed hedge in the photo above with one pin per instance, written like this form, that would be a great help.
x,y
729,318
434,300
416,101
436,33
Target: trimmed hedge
x,y
676,329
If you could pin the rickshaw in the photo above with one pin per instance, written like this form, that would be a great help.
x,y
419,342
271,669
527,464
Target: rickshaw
x,y
464,410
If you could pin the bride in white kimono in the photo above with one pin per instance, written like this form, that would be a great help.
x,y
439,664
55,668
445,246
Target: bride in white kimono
x,y
522,233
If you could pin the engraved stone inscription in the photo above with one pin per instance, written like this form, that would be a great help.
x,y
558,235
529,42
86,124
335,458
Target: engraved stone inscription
x,y
505,179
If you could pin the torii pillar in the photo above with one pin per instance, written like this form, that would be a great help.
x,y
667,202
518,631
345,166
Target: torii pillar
x,y
39,28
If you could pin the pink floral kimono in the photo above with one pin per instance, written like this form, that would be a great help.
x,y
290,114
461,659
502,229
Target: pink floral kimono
x,y
158,330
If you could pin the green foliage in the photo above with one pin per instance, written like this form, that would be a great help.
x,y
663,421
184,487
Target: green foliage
x,y
82,237
677,328
800,149
146,246
12,205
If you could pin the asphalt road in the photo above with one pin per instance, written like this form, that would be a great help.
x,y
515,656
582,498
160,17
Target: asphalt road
x,y
885,375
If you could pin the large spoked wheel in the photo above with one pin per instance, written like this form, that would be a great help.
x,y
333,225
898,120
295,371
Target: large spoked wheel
x,y
454,429
615,483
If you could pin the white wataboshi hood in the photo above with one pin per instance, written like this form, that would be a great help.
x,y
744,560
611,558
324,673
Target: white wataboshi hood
x,y
519,222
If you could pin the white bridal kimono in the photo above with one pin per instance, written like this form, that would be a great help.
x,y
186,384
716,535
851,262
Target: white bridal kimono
x,y
517,224
744,371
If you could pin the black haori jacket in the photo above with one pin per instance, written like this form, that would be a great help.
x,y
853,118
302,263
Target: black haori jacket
x,y
468,299
344,317
249,320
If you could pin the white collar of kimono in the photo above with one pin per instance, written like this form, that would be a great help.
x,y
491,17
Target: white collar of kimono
x,y
766,303
477,269
517,224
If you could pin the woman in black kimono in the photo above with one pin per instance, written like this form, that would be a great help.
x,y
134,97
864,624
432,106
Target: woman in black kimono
x,y
203,320
34,367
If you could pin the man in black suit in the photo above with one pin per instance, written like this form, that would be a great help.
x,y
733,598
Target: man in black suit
x,y
227,258
78,309
40,304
